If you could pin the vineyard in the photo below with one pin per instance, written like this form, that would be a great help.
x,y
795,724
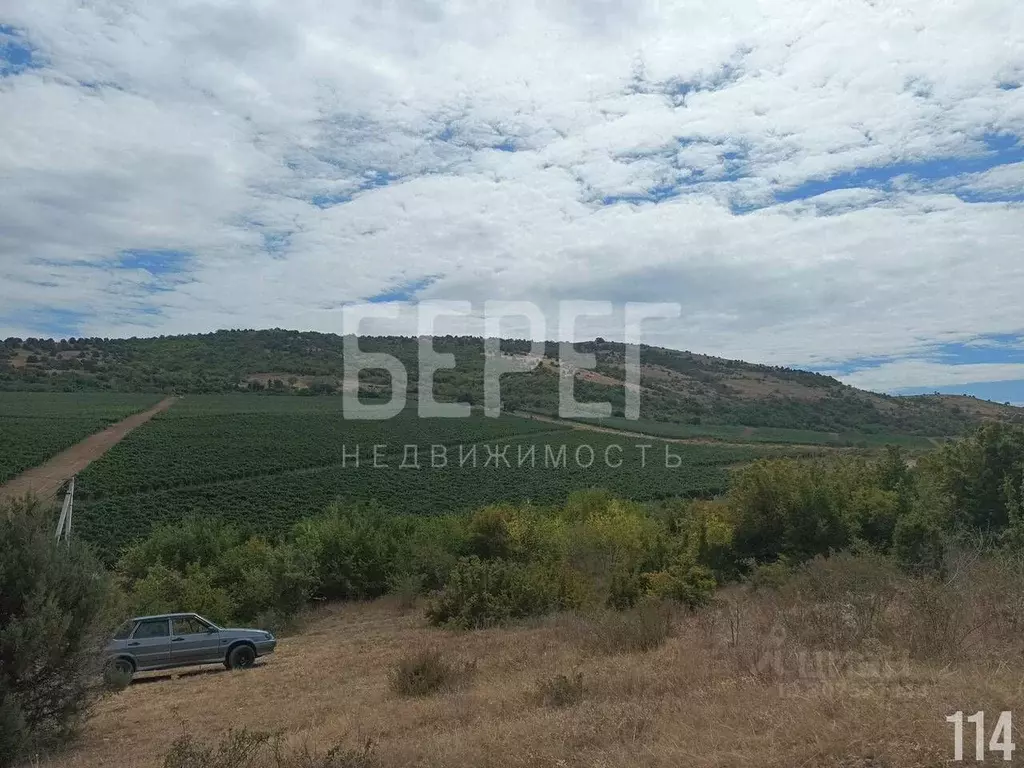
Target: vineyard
x,y
780,435
265,462
35,426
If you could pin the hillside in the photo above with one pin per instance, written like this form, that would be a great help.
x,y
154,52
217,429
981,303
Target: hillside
x,y
677,387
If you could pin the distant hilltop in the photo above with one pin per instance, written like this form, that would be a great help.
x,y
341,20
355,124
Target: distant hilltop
x,y
676,386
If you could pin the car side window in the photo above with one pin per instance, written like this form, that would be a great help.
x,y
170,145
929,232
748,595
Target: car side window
x,y
152,629
188,626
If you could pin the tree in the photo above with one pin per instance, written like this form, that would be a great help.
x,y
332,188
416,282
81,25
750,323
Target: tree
x,y
56,611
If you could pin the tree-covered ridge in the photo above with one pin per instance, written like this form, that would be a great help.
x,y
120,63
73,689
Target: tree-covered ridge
x,y
677,387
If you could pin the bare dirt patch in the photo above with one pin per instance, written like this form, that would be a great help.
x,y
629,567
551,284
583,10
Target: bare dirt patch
x,y
46,479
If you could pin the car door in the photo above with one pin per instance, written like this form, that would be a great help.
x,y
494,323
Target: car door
x,y
193,641
150,644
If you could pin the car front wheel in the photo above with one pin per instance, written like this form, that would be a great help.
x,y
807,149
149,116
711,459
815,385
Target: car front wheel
x,y
241,657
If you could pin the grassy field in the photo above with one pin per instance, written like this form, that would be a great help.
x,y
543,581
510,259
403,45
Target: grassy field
x,y
265,462
35,426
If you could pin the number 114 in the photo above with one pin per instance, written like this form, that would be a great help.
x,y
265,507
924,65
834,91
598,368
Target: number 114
x,y
1001,741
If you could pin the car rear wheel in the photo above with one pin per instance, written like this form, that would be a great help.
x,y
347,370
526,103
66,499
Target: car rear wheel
x,y
241,657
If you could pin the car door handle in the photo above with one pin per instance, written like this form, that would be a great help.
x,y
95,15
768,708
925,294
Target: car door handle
x,y
178,640
134,644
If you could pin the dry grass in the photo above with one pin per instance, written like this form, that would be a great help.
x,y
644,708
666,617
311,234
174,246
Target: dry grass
x,y
426,672
734,685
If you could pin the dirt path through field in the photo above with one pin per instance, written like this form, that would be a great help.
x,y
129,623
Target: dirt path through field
x,y
46,479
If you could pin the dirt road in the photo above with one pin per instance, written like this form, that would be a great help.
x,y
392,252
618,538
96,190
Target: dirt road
x,y
46,479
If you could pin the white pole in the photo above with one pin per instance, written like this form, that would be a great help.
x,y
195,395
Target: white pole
x,y
64,524
71,509
63,515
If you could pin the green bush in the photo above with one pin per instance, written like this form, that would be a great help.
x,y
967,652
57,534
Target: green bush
x,y
56,609
686,583
164,590
482,593
793,509
919,543
190,542
625,589
353,550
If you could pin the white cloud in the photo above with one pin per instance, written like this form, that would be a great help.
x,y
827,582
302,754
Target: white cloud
x,y
906,374
211,127
1007,179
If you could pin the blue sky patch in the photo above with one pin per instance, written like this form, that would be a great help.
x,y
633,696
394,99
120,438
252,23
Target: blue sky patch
x,y
377,179
16,53
326,201
992,349
1000,149
50,323
157,262
374,179
998,391
988,349
403,292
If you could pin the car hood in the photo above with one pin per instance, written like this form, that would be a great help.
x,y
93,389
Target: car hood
x,y
254,634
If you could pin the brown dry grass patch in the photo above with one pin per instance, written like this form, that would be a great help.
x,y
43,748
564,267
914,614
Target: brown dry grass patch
x,y
726,688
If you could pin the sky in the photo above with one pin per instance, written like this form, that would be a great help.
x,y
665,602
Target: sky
x,y
827,184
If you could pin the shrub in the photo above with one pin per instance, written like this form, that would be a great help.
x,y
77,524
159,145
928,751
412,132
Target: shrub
x,y
207,567
642,628
193,541
625,589
115,679
407,588
840,603
163,590
489,534
561,690
257,749
691,585
919,543
353,551
263,578
427,672
431,547
56,605
792,508
483,593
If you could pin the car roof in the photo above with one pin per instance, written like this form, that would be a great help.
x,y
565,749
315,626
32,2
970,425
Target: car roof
x,y
167,616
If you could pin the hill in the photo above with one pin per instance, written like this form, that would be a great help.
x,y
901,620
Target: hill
x,y
678,387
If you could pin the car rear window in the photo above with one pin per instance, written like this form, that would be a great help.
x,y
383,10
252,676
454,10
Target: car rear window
x,y
157,628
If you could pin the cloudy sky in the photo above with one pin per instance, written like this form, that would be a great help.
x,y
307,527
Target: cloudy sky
x,y
831,184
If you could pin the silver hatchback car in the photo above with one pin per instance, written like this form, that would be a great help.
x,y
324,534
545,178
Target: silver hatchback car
x,y
183,640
